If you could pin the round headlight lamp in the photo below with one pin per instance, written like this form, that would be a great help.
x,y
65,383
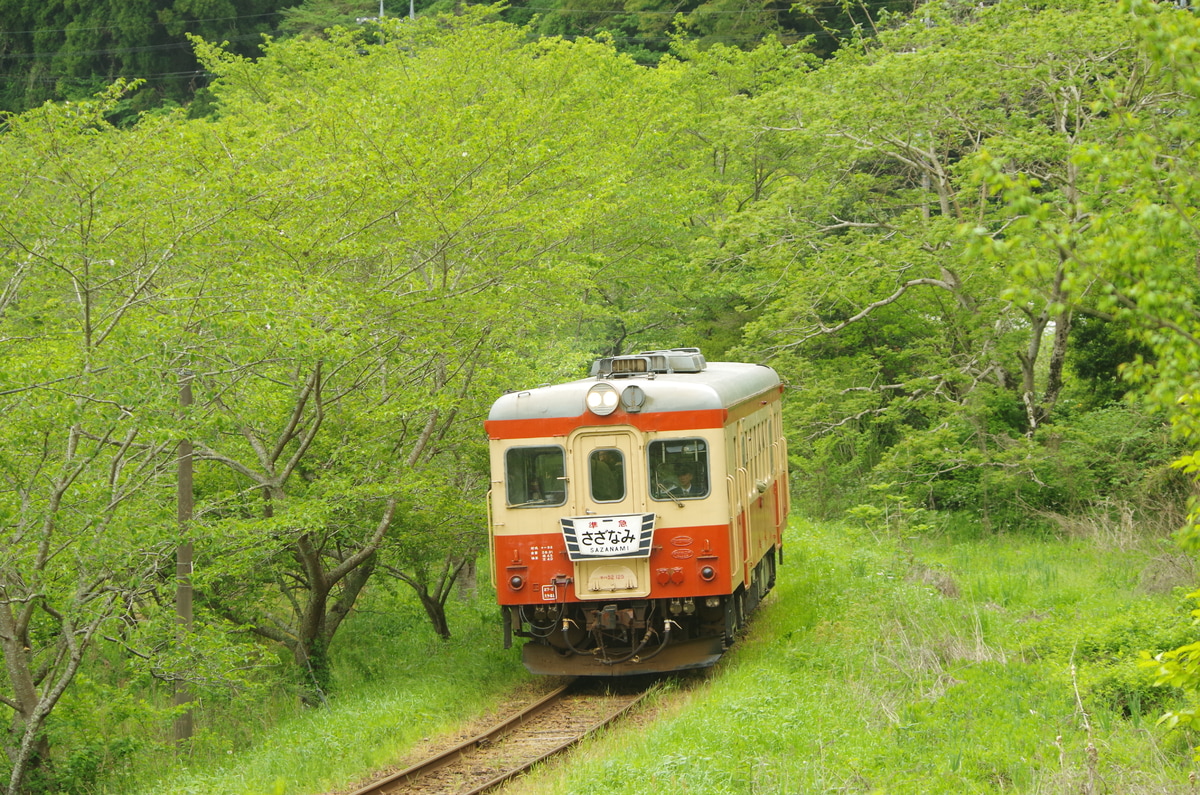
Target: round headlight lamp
x,y
602,399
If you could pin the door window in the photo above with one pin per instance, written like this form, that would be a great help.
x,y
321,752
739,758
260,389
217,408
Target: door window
x,y
606,467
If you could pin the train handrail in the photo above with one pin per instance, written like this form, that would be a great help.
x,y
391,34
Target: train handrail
x,y
491,542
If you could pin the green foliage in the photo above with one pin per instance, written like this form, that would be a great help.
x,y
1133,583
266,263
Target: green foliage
x,y
918,354
894,515
101,727
88,409
415,236
69,51
346,288
317,17
1178,667
1100,349
1134,249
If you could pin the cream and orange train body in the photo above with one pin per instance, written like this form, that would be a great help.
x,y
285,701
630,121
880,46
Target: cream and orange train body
x,y
637,515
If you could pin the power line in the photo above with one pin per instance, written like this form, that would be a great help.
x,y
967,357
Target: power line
x,y
56,79
702,11
126,27
698,10
176,45
179,45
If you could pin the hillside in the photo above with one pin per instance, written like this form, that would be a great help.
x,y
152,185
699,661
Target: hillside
x,y
245,357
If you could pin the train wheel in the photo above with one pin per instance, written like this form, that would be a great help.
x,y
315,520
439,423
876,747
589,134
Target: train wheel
x,y
735,616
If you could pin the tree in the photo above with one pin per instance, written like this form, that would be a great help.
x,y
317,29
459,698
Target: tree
x,y
69,51
315,17
419,255
86,387
910,346
1130,240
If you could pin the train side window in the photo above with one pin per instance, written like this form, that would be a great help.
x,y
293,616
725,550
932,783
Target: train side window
x,y
607,468
534,476
678,469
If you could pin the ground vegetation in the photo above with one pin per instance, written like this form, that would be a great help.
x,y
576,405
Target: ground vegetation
x,y
948,662
965,240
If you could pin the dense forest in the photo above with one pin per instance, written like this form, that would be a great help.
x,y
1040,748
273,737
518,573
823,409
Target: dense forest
x,y
68,51
267,331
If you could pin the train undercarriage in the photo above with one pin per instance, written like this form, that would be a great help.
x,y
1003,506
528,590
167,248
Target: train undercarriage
x,y
635,636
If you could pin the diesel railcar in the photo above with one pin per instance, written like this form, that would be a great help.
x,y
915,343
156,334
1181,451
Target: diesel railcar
x,y
636,516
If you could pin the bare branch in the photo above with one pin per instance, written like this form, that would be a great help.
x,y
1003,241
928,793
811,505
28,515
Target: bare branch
x,y
369,548
871,307
314,425
313,381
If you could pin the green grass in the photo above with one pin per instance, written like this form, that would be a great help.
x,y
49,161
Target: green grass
x,y
396,685
880,664
918,667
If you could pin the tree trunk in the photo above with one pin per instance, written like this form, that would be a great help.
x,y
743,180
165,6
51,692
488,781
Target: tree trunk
x,y
434,600
33,752
26,750
312,658
468,580
436,610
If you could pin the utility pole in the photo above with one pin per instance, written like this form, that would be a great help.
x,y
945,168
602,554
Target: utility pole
x,y
185,500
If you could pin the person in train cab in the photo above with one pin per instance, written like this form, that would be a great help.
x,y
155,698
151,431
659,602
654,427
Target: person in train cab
x,y
608,481
688,485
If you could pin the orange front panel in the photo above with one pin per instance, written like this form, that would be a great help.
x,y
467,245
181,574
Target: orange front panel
x,y
676,560
538,560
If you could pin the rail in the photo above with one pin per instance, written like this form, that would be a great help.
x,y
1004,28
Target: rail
x,y
544,728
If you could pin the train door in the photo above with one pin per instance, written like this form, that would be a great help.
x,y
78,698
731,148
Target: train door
x,y
607,482
604,473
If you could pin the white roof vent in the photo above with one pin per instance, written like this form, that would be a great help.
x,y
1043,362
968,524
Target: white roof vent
x,y
675,360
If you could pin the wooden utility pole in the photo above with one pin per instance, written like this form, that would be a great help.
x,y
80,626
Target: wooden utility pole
x,y
185,500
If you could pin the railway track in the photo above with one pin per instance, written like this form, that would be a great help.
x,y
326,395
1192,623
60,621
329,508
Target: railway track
x,y
548,726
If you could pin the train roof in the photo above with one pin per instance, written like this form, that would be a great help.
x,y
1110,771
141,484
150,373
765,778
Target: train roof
x,y
670,383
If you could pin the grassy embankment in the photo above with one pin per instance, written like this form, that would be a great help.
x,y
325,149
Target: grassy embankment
x,y
880,664
396,685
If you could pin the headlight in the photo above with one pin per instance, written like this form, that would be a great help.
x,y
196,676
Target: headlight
x,y
602,399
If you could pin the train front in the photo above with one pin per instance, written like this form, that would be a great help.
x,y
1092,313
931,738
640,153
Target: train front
x,y
616,541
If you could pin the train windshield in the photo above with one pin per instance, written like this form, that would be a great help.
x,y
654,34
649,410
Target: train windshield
x,y
678,469
535,476
607,468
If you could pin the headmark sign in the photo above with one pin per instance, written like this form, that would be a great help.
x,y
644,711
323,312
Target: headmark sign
x,y
592,537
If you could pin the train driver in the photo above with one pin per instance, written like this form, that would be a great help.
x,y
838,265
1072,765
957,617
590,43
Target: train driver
x,y
689,484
